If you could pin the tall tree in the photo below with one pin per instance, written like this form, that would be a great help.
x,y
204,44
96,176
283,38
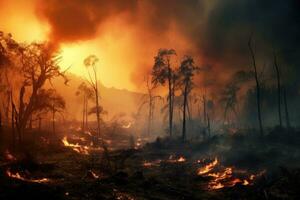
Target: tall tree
x,y
286,109
186,72
257,86
91,64
163,72
278,89
87,94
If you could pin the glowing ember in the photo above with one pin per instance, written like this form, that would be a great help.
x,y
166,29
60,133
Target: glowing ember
x,y
94,174
88,133
245,182
9,156
155,163
138,143
173,159
127,125
181,159
207,168
19,177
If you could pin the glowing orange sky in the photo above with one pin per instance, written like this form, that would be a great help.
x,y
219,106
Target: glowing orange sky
x,y
120,53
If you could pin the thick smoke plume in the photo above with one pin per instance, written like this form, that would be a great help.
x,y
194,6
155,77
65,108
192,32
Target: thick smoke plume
x,y
217,32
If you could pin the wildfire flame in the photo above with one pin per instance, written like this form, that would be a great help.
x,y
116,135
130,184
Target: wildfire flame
x,y
76,147
207,168
127,126
19,177
181,159
222,178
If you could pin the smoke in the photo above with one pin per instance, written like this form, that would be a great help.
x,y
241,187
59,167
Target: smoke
x,y
215,32
75,20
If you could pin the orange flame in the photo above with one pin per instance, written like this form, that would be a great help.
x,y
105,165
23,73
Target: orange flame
x,y
76,147
207,168
19,177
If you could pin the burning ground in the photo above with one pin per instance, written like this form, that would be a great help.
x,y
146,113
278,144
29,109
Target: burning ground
x,y
74,165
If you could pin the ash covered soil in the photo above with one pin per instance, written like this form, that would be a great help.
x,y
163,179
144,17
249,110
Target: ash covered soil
x,y
239,166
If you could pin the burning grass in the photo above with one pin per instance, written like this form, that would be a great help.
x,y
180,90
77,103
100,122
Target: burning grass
x,y
17,175
220,176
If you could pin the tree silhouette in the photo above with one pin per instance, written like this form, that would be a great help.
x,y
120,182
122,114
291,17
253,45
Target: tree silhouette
x,y
35,63
257,85
163,72
278,89
91,64
186,72
87,94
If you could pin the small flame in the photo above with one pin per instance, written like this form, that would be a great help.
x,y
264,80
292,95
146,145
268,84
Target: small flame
x,y
76,147
127,125
94,174
181,159
19,177
207,168
173,159
154,163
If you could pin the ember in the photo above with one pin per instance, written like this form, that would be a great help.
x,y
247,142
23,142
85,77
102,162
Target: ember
x,y
9,156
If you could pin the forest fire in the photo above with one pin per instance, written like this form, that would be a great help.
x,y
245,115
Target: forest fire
x,y
149,99
19,177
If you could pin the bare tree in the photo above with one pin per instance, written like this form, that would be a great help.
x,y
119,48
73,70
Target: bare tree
x,y
257,86
91,64
87,94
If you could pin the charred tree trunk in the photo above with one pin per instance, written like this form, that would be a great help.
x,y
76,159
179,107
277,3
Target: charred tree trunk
x,y
40,123
83,114
208,125
13,123
170,100
30,123
149,116
97,109
184,112
278,90
53,120
257,87
287,118
204,110
86,114
0,121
